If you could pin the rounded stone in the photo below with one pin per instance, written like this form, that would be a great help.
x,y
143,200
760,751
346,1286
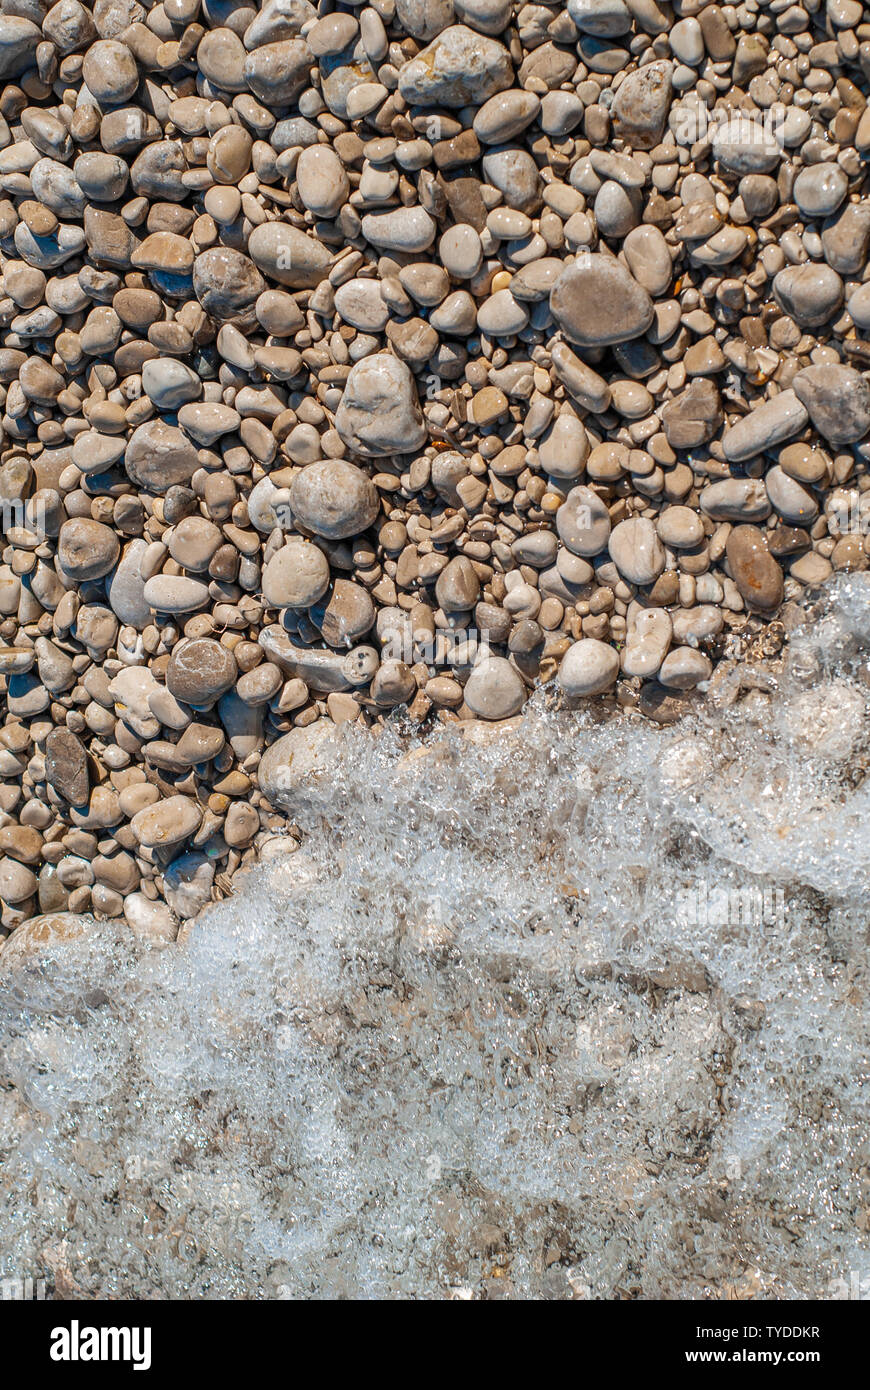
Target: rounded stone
x,y
86,549
287,255
159,456
379,412
495,689
227,285
167,822
110,72
334,499
589,667
457,588
200,670
321,180
754,570
636,550
838,400
681,528
809,293
296,576
459,68
820,189
175,593
583,522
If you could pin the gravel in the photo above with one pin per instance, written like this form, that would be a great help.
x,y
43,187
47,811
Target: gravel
x,y
400,357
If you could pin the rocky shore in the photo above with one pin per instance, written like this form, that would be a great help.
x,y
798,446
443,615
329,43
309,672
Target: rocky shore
x,y
394,361
570,1006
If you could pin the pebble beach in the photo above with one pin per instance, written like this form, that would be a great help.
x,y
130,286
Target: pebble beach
x,y
379,379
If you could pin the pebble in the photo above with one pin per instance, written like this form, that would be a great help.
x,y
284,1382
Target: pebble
x,y
168,822
597,302
838,401
86,549
753,569
809,293
640,108
286,255
199,671
648,637
793,502
333,498
296,576
636,550
458,68
685,668
589,667
379,412
583,522
295,764
175,593
495,690
820,189
776,420
66,766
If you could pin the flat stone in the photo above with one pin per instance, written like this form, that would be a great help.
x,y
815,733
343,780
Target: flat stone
x,y
19,39
505,115
597,302
685,668
820,189
321,670
345,615
745,146
604,18
736,499
838,401
648,637
790,499
693,417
